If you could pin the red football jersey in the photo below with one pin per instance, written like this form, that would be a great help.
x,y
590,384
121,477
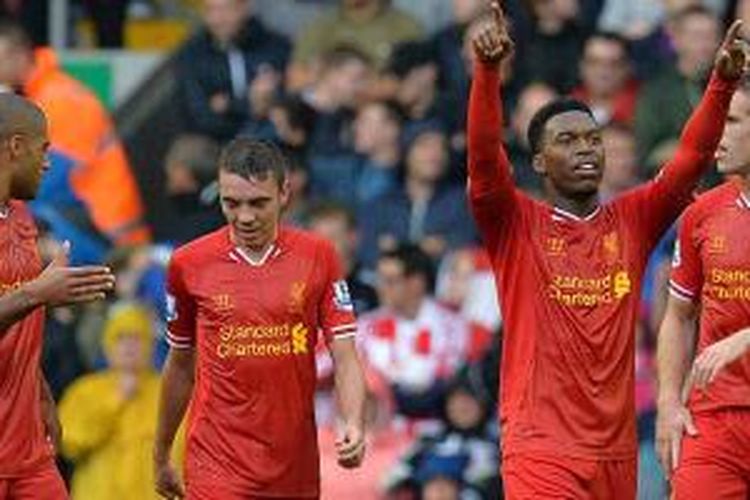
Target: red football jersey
x,y
569,287
23,443
711,267
255,327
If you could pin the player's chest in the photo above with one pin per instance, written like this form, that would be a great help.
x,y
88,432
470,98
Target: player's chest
x,y
724,248
583,267
19,257
242,292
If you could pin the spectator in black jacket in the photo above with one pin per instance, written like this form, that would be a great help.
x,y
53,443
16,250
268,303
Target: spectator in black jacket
x,y
230,71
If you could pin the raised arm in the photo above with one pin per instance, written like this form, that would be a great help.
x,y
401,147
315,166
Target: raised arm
x,y
490,184
700,137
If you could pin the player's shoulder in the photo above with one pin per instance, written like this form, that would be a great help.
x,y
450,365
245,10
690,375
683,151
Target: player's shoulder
x,y
304,242
202,248
713,201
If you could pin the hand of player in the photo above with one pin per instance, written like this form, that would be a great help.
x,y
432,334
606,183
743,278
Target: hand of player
x,y
492,43
730,60
672,421
717,356
60,284
350,447
168,484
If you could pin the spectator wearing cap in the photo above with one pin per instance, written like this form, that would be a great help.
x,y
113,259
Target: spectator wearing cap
x,y
426,210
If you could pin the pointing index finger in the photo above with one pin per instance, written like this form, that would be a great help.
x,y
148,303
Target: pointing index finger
x,y
497,14
733,33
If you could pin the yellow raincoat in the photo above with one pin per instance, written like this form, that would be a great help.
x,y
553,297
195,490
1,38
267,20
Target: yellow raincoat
x,y
108,439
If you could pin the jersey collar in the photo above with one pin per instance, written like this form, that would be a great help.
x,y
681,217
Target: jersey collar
x,y
743,201
239,255
558,214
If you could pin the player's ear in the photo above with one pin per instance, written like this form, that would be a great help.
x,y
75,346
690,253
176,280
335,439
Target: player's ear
x,y
538,164
15,145
285,191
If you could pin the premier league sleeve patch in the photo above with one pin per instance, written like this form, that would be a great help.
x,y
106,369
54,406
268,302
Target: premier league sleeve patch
x,y
171,308
342,299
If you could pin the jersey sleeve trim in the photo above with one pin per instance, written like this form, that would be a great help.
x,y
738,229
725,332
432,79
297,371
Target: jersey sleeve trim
x,y
680,292
178,342
344,331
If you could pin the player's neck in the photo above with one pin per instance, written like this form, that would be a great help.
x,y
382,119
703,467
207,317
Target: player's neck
x,y
256,253
580,207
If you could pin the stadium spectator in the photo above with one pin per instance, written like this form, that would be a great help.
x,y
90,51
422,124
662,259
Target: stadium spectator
x,y
230,70
621,172
372,169
190,168
109,417
607,84
337,224
531,99
411,342
371,26
549,50
345,72
89,185
665,102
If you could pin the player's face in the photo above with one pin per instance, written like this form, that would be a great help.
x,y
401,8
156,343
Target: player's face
x,y
572,154
733,154
28,151
252,208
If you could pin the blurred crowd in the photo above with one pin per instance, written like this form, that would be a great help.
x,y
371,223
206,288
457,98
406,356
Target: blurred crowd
x,y
368,100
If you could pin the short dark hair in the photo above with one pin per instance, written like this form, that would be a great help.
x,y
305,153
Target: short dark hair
x,y
535,133
328,208
415,262
254,159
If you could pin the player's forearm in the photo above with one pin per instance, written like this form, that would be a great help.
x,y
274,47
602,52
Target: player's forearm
x,y
351,390
14,306
674,350
701,134
488,164
176,391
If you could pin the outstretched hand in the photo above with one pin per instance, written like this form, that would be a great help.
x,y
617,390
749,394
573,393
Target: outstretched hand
x,y
492,44
731,58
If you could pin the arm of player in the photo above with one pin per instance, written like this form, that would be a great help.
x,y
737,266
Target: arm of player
x,y
57,285
176,391
490,184
700,137
716,357
351,395
676,343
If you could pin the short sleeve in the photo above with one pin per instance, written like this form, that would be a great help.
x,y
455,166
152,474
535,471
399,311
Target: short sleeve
x,y
336,309
180,309
686,280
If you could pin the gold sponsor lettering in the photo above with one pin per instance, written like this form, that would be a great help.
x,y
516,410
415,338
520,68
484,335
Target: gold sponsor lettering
x,y
576,291
261,340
